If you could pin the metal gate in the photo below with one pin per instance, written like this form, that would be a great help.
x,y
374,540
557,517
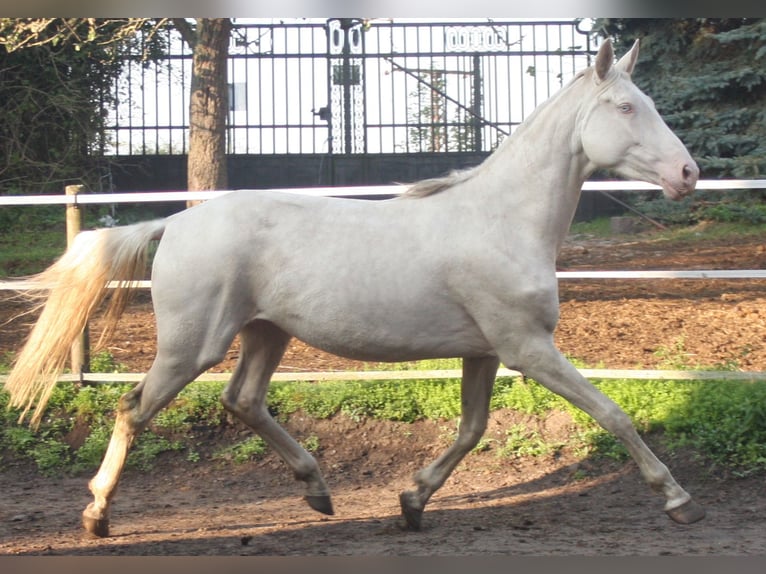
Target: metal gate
x,y
356,86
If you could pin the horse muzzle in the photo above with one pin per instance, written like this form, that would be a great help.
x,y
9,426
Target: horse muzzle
x,y
676,188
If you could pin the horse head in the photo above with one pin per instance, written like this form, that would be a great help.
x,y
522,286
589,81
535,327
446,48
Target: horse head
x,y
622,131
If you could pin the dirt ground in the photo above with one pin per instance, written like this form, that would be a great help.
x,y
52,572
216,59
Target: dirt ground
x,y
558,504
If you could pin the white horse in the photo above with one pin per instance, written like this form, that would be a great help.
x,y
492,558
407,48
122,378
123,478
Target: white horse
x,y
462,266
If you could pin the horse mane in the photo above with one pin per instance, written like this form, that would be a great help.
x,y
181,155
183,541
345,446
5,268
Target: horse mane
x,y
434,185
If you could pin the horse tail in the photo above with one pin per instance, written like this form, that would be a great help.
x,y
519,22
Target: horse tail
x,y
68,292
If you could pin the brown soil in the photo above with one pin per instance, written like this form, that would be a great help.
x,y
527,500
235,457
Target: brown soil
x,y
565,503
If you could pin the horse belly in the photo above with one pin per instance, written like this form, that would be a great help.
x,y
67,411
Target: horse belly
x,y
386,334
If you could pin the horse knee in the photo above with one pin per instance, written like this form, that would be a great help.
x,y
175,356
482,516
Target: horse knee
x,y
616,421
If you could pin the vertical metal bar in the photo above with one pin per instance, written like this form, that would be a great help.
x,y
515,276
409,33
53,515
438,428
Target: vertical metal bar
x,y
477,102
300,91
130,106
274,112
286,61
393,99
156,67
534,63
143,112
363,86
247,93
260,104
346,84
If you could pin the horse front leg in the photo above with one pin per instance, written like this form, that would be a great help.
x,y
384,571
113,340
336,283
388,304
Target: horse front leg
x,y
262,347
476,391
538,358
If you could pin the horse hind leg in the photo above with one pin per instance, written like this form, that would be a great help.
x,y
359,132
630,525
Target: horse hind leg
x,y
476,390
182,355
262,347
134,411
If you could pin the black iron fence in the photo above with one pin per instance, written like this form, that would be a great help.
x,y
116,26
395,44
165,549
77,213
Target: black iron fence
x,y
351,86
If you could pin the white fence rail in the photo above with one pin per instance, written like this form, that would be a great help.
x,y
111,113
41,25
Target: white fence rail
x,y
392,190
360,191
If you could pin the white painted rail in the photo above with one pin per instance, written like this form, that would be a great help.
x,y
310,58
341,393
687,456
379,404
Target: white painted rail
x,y
402,375
358,191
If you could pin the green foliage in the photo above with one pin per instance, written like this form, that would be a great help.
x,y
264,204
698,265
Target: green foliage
x,y
88,457
252,448
311,443
735,206
94,403
522,441
49,453
104,362
56,84
725,420
394,400
595,441
525,395
28,251
149,445
598,227
197,404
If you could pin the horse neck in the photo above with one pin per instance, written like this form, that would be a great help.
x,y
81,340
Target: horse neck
x,y
537,174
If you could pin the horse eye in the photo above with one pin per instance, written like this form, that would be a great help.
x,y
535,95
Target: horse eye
x,y
625,108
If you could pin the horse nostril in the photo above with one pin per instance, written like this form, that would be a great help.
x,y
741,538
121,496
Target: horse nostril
x,y
689,173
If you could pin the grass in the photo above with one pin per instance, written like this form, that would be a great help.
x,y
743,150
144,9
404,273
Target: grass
x,y
29,253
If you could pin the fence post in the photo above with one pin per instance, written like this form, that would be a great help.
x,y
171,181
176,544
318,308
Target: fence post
x,y
80,355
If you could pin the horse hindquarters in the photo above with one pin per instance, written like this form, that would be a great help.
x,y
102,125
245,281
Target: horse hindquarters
x,y
195,327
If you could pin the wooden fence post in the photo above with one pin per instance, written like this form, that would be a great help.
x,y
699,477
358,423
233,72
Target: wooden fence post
x,y
80,354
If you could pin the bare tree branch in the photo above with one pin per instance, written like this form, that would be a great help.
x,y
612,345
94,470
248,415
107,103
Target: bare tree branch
x,y
186,30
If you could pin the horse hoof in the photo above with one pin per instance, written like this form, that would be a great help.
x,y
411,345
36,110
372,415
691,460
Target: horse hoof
x,y
321,504
98,527
687,513
412,513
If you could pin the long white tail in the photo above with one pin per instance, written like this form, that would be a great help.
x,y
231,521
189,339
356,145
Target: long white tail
x,y
70,291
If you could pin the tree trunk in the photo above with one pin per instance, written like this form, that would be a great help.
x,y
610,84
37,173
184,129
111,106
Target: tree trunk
x,y
209,106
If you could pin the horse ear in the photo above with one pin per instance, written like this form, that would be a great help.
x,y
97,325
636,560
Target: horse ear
x,y
628,61
604,59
